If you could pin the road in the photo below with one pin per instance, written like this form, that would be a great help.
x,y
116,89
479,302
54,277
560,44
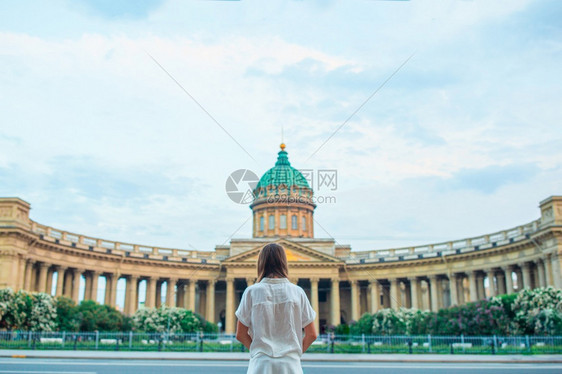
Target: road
x,y
97,366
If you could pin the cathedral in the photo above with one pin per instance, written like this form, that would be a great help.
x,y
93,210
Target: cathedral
x,y
341,283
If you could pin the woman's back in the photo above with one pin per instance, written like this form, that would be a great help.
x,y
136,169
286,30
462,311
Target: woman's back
x,y
275,312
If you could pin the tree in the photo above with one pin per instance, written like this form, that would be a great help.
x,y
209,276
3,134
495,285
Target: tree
x,y
68,318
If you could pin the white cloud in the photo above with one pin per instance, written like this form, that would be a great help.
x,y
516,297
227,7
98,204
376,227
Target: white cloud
x,y
88,103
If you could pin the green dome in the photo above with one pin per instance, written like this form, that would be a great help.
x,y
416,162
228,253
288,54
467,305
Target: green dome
x,y
282,174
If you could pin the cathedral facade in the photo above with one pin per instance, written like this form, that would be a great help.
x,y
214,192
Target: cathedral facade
x,y
341,284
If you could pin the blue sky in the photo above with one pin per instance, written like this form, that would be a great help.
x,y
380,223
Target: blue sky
x,y
464,140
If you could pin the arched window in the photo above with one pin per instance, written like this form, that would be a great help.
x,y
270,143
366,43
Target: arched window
x,y
262,223
303,223
294,222
272,222
282,221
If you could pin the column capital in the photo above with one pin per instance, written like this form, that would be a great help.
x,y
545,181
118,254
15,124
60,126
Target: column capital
x,y
314,280
500,275
373,282
250,280
61,267
211,281
335,280
227,280
133,277
78,270
353,281
44,265
507,268
413,279
95,272
524,265
433,277
172,280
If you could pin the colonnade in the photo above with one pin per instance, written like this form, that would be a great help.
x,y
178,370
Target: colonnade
x,y
38,276
336,299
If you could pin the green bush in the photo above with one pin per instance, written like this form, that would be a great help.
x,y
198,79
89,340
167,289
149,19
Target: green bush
x,y
67,315
363,326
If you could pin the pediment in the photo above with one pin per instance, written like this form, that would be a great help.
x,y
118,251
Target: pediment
x,y
296,253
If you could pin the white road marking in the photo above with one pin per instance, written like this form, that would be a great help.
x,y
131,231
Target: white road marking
x,y
440,366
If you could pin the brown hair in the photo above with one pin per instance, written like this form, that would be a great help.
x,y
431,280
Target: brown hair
x,y
272,261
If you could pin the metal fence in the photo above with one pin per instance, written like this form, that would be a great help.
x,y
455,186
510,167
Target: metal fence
x,y
207,342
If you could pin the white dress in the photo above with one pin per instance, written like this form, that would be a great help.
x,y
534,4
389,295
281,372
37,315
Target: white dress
x,y
275,312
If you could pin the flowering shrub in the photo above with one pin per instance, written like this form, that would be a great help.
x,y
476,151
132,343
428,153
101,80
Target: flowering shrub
x,y
170,319
389,322
24,311
14,308
43,313
538,312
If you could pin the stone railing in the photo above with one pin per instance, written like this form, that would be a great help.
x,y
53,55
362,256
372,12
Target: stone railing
x,y
445,248
119,248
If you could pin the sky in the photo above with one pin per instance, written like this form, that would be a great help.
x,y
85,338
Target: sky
x,y
123,120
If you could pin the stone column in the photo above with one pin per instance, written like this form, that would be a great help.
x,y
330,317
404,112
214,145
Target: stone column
x,y
526,275
94,285
375,296
453,289
76,275
491,282
43,268
150,293
508,279
158,298
414,294
395,302
425,300
314,301
181,295
88,286
114,283
21,273
555,261
107,293
210,308
60,280
335,302
500,278
547,269
49,286
131,294
229,317
354,300
250,281
171,292
481,290
541,273
434,292
191,296
68,284
28,275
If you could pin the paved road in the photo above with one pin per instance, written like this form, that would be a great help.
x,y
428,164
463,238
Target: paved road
x,y
79,366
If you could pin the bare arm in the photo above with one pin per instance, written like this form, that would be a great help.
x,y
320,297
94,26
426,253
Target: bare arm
x,y
242,335
310,336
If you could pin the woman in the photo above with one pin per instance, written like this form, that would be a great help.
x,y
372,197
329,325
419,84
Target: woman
x,y
272,315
